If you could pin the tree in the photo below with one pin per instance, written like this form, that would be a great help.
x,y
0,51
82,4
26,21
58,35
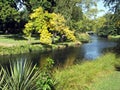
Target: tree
x,y
115,7
64,7
68,8
89,21
33,4
108,27
49,25
9,17
115,4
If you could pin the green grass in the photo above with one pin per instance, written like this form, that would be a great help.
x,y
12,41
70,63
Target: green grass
x,y
17,44
114,37
15,40
80,77
109,82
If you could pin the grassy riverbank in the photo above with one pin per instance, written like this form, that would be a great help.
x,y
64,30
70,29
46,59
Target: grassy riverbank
x,y
109,82
88,74
83,37
114,37
16,44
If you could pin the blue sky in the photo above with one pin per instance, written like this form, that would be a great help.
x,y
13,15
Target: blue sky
x,y
101,7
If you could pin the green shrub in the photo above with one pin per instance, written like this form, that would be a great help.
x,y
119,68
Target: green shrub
x,y
45,81
83,37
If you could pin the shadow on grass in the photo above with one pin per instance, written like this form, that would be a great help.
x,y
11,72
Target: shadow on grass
x,y
18,36
36,36
44,45
15,37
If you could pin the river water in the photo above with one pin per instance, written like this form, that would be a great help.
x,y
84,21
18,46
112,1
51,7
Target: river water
x,y
68,56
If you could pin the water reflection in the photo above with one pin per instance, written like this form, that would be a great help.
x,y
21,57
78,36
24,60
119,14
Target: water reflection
x,y
96,47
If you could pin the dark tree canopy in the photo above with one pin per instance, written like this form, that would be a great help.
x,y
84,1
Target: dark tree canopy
x,y
115,6
9,17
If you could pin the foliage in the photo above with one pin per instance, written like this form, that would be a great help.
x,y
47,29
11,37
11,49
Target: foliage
x,y
2,77
25,76
67,9
83,37
30,5
47,24
45,37
114,6
45,81
77,14
86,24
89,20
7,12
22,76
83,25
9,17
107,26
58,6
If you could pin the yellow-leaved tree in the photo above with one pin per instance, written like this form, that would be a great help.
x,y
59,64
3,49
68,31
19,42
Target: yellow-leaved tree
x,y
49,25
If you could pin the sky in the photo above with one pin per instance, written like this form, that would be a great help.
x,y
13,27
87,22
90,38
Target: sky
x,y
100,5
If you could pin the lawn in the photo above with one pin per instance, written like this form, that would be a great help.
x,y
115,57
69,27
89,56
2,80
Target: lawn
x,y
17,44
15,40
109,82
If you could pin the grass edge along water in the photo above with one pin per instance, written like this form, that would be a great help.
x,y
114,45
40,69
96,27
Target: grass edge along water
x,y
80,77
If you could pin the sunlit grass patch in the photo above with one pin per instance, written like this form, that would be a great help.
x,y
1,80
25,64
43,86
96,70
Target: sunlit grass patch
x,y
109,82
114,37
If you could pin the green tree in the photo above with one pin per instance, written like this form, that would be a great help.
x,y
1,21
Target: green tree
x,y
115,7
108,26
33,4
9,17
69,8
90,21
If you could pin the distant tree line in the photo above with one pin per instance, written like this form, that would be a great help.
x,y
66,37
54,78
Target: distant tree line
x,y
112,23
15,13
79,15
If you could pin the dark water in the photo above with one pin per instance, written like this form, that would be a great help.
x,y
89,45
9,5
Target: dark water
x,y
68,56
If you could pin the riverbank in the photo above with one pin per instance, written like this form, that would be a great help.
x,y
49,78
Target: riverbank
x,y
114,37
15,44
88,74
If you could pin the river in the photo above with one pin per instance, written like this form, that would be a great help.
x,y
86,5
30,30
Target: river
x,y
68,56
